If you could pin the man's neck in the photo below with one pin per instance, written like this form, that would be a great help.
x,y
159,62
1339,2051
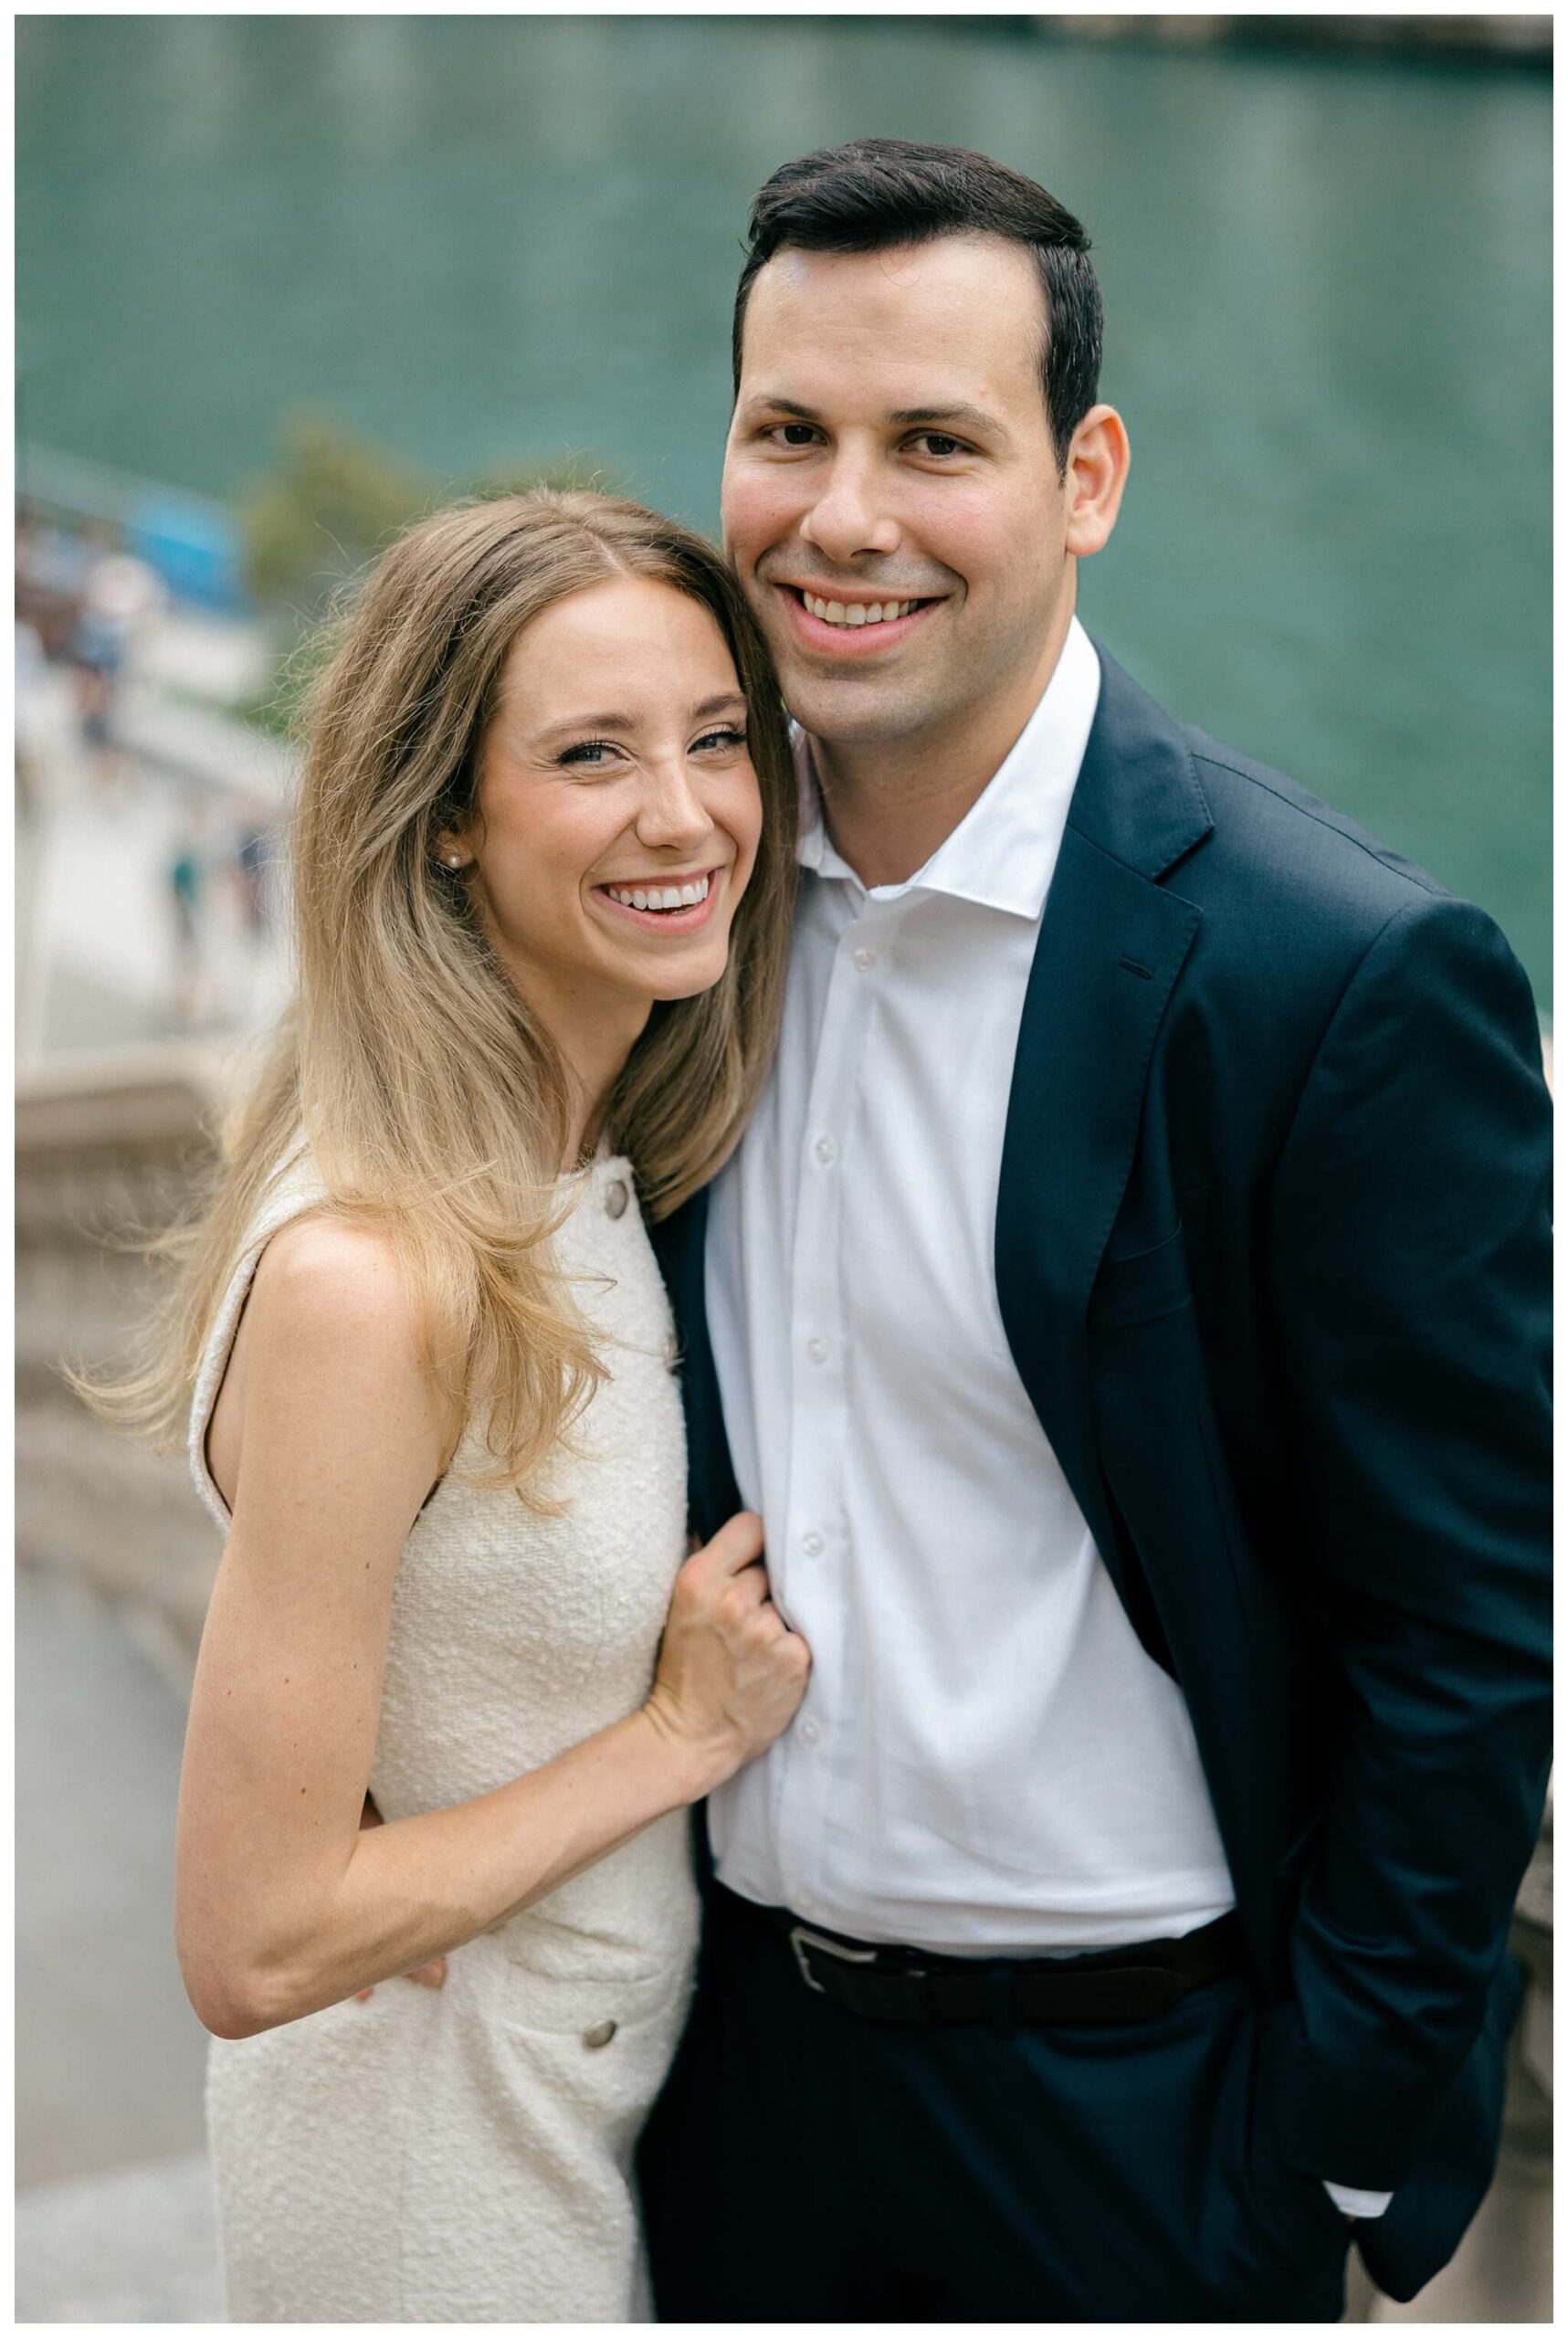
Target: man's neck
x,y
890,803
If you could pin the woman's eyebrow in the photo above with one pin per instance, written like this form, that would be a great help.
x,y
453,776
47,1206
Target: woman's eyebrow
x,y
588,722
710,706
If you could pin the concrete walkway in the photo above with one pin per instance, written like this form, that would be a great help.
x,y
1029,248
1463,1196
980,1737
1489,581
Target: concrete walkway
x,y
113,2219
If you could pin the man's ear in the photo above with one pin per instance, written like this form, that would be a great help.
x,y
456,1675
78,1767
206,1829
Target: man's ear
x,y
1097,466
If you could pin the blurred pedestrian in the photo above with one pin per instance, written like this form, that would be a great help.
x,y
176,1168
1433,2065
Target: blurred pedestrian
x,y
186,880
121,594
52,565
29,710
251,868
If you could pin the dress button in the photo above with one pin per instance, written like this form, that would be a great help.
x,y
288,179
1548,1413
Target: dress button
x,y
825,1149
817,1349
616,1197
600,2033
810,1731
865,960
813,1544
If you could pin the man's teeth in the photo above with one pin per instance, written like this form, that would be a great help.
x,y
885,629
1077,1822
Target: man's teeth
x,y
856,612
666,897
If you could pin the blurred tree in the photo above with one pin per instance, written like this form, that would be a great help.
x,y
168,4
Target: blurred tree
x,y
334,502
331,503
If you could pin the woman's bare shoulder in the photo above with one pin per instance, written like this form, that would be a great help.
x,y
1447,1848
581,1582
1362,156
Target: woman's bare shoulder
x,y
333,1281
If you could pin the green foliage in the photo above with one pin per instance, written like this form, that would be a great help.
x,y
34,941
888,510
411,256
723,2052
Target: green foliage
x,y
335,501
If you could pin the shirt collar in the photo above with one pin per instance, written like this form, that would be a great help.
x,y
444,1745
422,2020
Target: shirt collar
x,y
1002,853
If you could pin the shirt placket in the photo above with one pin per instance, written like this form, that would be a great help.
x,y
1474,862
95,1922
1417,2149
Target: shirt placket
x,y
818,1552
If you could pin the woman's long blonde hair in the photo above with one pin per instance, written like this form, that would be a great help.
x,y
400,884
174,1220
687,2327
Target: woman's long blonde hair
x,y
431,1100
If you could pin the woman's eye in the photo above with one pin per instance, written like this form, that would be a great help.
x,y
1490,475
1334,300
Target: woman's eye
x,y
591,753
726,739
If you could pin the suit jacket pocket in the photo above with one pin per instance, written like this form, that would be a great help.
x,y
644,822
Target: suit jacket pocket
x,y
1141,1288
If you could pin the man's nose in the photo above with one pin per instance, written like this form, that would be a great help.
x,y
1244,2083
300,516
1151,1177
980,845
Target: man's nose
x,y
672,813
850,517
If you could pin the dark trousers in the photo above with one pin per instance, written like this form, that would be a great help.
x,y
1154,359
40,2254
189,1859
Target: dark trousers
x,y
806,2165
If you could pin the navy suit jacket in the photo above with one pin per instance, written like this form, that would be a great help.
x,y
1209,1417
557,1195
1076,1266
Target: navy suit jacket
x,y
1271,1255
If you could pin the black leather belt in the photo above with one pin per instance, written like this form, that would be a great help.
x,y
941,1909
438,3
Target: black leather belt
x,y
1110,1985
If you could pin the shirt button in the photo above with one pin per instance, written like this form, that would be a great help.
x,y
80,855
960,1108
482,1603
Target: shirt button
x,y
810,1731
813,1545
825,1149
600,2033
865,960
817,1349
616,1196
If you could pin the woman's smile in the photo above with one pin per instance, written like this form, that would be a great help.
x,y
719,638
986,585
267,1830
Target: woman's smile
x,y
670,905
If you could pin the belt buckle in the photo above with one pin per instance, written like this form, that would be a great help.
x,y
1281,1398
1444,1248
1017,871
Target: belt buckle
x,y
802,1937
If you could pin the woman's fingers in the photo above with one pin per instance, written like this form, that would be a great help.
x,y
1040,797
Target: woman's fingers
x,y
428,1976
737,1545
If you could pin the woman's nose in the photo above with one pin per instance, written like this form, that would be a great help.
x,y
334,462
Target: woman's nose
x,y
673,812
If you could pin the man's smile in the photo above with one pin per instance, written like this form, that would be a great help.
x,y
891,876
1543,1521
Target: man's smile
x,y
833,624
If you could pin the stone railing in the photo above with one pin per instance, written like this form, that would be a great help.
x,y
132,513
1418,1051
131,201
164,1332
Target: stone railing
x,y
107,1148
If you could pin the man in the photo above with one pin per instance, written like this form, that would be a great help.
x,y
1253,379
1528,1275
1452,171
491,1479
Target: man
x,y
1127,1312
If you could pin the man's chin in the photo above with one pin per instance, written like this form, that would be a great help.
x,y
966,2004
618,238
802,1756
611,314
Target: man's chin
x,y
851,710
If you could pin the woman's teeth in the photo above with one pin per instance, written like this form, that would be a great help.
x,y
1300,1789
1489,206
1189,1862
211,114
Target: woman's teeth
x,y
666,897
856,612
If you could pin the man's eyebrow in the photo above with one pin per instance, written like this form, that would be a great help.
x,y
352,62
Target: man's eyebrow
x,y
965,418
782,406
968,418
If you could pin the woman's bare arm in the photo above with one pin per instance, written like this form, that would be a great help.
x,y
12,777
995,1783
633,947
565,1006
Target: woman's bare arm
x,y
283,1905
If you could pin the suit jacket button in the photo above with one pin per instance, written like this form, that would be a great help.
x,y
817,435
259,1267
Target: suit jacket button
x,y
617,1198
600,2033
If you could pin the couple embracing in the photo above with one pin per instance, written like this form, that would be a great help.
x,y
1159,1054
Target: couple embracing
x,y
961,1284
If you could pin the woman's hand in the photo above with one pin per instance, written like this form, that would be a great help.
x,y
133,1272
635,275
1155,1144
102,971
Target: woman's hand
x,y
730,1672
428,1976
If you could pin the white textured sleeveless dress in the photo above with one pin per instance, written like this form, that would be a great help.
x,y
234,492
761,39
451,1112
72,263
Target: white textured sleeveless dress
x,y
465,2154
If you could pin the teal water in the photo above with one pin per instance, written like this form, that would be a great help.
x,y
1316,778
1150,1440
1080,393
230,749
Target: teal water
x,y
484,240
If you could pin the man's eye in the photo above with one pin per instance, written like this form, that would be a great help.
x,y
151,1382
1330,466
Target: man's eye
x,y
937,443
794,434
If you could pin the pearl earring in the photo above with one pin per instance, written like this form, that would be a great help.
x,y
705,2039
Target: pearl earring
x,y
454,860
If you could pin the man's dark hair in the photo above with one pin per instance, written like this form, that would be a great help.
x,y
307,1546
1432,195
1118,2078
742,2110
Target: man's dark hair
x,y
879,191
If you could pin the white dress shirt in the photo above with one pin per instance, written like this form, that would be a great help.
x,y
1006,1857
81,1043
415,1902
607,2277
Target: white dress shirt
x,y
986,1761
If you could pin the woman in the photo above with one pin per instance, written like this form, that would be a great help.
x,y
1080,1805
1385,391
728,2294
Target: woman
x,y
541,879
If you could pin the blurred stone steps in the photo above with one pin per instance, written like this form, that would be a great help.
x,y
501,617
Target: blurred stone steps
x,y
137,2245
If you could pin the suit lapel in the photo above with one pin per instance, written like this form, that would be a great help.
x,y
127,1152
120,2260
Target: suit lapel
x,y
678,1246
1113,943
